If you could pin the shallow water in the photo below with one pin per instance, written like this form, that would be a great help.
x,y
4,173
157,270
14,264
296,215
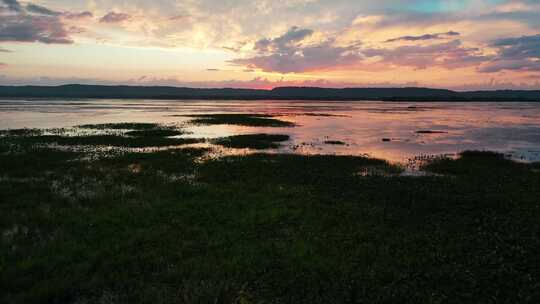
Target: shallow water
x,y
386,130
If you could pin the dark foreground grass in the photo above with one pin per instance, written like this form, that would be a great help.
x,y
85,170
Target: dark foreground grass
x,y
250,120
165,227
252,141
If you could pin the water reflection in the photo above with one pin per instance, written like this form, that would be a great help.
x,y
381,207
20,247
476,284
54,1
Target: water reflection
x,y
512,128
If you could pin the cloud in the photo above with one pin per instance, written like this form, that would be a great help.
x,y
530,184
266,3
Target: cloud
x,y
254,83
27,28
13,5
288,54
515,53
521,47
34,23
2,50
425,37
113,17
448,55
2,65
38,9
81,15
283,42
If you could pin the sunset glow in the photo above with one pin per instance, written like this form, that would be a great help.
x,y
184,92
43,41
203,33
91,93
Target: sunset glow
x,y
455,44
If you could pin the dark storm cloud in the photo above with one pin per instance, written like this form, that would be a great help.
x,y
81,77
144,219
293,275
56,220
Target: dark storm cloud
x,y
425,37
113,17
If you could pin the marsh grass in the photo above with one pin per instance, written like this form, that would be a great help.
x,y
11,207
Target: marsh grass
x,y
122,126
164,227
155,133
252,141
106,140
21,132
249,120
335,142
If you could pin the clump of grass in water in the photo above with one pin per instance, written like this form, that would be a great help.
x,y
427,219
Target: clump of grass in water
x,y
249,120
155,133
142,135
121,126
252,141
335,142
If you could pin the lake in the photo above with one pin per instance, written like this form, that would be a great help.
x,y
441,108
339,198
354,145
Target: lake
x,y
395,131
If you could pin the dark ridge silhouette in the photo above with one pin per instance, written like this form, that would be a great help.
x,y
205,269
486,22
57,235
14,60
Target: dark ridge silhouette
x,y
281,93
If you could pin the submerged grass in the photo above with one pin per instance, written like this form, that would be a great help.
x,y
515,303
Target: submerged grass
x,y
250,120
164,227
252,141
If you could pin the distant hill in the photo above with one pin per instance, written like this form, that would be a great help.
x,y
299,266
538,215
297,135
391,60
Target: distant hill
x,y
282,93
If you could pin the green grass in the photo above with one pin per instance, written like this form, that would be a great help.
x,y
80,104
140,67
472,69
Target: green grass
x,y
252,141
250,120
167,227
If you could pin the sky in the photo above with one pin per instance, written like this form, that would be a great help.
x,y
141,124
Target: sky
x,y
454,44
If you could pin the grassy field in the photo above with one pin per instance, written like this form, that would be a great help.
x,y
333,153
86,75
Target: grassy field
x,y
83,225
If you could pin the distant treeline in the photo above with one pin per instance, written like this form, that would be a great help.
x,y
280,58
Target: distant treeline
x,y
282,93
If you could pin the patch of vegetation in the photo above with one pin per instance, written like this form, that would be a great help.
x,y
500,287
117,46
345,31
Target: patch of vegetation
x,y
290,169
105,140
155,133
252,141
21,132
430,132
335,142
167,227
121,126
250,120
481,163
